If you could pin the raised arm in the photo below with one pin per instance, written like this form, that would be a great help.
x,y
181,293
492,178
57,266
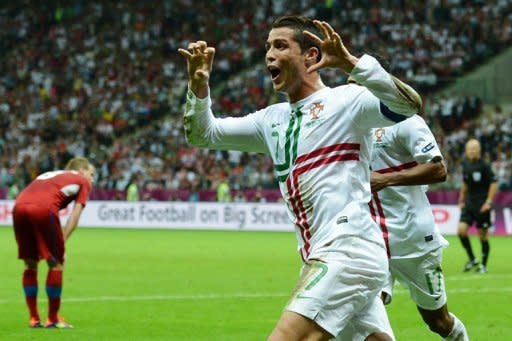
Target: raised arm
x,y
397,96
202,129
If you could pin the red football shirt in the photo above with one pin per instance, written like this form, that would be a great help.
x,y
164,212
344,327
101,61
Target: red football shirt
x,y
55,190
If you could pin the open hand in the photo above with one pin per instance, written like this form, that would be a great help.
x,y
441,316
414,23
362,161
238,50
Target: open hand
x,y
334,53
199,64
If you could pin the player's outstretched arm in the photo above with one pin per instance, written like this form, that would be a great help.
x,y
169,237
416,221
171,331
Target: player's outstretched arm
x,y
421,174
72,221
199,66
202,129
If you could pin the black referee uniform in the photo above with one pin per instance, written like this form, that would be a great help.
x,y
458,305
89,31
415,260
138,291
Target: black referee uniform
x,y
478,177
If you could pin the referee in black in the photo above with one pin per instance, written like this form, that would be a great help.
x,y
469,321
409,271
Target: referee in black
x,y
476,196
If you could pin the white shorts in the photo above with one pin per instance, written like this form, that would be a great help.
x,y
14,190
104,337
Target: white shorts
x,y
339,288
365,323
422,276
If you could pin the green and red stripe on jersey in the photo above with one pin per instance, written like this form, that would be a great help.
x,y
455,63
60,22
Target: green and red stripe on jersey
x,y
290,145
318,158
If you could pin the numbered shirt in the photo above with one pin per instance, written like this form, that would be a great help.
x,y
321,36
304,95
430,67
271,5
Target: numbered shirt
x,y
320,147
403,212
55,190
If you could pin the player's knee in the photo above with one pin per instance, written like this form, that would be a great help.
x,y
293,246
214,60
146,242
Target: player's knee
x,y
52,265
30,264
379,336
462,230
441,324
483,234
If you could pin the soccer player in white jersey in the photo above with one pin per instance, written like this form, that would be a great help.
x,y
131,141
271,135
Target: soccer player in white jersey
x,y
405,157
320,143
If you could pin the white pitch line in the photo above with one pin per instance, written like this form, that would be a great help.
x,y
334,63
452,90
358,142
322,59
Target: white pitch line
x,y
477,277
176,297
235,295
466,290
168,297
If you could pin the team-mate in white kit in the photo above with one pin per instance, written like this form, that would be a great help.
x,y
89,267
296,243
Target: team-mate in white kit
x,y
404,158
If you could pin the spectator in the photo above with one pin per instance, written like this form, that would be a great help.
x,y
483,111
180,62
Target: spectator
x,y
132,191
223,191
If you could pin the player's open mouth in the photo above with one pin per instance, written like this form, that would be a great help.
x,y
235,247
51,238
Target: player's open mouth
x,y
274,71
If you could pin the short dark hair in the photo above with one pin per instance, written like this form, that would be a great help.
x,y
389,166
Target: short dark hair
x,y
299,24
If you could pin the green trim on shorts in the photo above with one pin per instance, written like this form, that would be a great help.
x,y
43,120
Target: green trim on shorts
x,y
429,283
439,273
439,278
323,270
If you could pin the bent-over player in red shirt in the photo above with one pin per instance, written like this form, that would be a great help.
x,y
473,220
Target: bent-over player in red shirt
x,y
39,234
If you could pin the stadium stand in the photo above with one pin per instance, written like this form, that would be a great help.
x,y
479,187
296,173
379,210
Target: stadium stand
x,y
103,79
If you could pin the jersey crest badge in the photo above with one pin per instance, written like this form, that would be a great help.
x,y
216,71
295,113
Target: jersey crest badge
x,y
314,113
379,133
315,110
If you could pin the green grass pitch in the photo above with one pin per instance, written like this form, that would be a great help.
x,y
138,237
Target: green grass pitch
x,y
202,285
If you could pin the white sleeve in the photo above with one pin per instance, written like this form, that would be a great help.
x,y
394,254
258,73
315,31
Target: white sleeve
x,y
382,103
371,112
416,137
202,129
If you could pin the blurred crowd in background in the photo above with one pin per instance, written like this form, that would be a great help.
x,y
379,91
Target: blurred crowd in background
x,y
104,80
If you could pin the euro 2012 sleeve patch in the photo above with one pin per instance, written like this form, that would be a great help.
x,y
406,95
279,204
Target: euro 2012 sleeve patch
x,y
427,148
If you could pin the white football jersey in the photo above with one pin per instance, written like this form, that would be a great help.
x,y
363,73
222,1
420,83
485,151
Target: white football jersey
x,y
321,151
404,212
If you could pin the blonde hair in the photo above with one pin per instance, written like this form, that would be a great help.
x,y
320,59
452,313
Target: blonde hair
x,y
78,163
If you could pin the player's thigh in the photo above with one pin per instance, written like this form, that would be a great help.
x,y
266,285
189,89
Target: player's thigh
x,y
423,277
331,291
24,233
50,238
372,319
43,226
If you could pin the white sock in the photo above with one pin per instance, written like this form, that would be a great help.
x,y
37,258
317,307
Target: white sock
x,y
458,332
